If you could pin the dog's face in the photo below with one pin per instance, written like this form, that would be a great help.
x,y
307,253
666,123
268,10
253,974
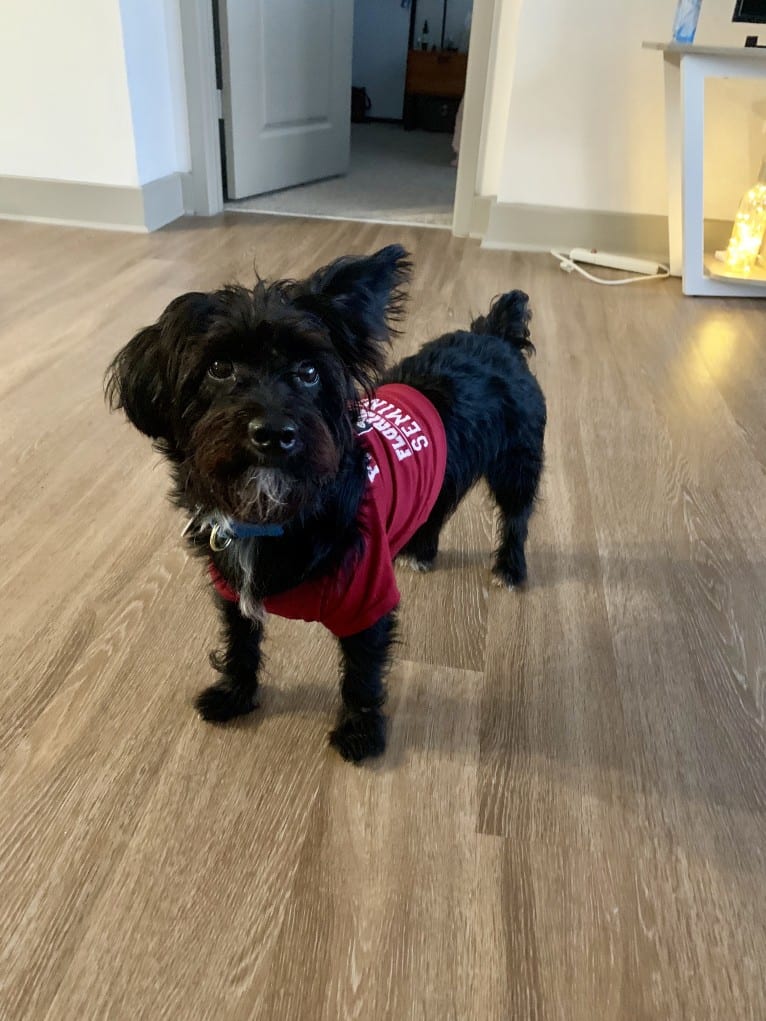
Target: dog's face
x,y
252,393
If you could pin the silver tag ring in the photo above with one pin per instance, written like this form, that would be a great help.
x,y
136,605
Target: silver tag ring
x,y
218,542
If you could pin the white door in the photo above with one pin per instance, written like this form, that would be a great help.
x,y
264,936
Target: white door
x,y
286,91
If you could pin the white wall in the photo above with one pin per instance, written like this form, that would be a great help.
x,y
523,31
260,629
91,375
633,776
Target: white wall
x,y
381,30
500,74
586,121
92,91
735,143
457,11
64,102
154,57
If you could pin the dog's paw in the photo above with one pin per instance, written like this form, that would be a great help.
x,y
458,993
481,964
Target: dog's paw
x,y
225,700
414,564
360,735
508,580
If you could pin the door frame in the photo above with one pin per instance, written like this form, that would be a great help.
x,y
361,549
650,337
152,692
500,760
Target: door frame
x,y
479,89
203,100
203,104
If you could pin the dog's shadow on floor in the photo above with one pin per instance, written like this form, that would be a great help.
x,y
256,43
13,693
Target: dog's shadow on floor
x,y
412,718
451,559
509,726
547,567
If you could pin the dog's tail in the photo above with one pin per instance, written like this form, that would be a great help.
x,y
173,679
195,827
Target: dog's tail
x,y
508,317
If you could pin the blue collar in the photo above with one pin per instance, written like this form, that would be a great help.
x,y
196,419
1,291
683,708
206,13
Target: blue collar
x,y
241,530
222,536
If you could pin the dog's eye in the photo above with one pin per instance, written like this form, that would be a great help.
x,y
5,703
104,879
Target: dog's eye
x,y
307,375
221,370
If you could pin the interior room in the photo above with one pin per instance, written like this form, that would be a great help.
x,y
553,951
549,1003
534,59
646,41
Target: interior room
x,y
385,552
408,63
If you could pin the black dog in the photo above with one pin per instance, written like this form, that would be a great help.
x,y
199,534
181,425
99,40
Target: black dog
x,y
303,482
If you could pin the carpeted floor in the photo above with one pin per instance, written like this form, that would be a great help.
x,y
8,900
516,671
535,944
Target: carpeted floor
x,y
396,176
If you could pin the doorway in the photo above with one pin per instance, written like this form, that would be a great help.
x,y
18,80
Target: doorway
x,y
408,62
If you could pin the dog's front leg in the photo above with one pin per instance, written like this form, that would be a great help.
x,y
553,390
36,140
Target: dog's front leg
x,y
361,728
238,661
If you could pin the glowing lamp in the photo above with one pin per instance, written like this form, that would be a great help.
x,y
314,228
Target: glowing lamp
x,y
749,228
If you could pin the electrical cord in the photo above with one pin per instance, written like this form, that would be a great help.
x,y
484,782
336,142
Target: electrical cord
x,y
568,264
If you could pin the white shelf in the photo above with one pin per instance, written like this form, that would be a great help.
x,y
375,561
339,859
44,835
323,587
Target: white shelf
x,y
718,270
687,69
737,52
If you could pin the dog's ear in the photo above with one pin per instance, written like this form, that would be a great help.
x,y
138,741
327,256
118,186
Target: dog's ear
x,y
361,298
135,383
140,380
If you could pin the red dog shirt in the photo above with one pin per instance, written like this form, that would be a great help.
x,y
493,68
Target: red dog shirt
x,y
406,456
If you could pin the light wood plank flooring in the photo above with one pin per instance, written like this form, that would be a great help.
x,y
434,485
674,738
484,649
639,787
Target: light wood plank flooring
x,y
569,822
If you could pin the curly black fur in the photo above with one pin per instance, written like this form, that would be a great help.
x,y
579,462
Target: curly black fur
x,y
494,416
294,358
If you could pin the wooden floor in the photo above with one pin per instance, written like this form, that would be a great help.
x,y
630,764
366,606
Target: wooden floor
x,y
570,820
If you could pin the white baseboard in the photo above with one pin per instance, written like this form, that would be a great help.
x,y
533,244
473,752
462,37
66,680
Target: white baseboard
x,y
513,227
187,193
163,201
480,210
108,207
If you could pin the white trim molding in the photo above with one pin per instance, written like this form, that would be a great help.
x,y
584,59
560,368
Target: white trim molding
x,y
204,194
540,228
114,207
474,100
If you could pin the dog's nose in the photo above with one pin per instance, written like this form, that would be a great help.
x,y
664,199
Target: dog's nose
x,y
271,436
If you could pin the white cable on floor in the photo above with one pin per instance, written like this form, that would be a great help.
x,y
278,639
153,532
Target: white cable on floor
x,y
568,264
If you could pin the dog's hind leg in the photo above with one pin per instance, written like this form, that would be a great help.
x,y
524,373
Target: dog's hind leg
x,y
420,552
514,485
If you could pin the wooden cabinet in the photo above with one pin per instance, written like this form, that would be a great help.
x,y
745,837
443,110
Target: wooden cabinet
x,y
437,75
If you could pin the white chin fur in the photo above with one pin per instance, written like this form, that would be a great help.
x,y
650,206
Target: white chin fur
x,y
264,493
251,608
249,605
